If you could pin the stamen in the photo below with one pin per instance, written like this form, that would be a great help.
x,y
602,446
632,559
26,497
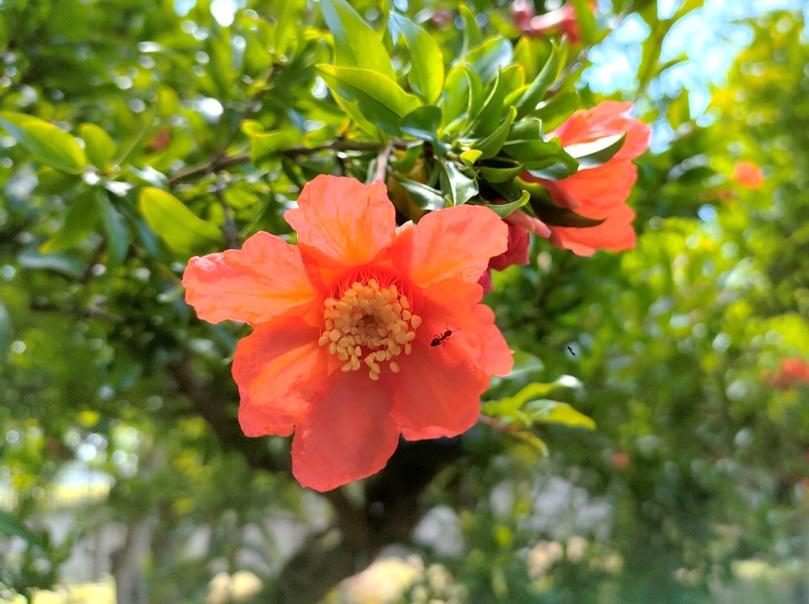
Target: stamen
x,y
369,319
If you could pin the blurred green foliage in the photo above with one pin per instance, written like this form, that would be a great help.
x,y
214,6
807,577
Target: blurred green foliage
x,y
138,134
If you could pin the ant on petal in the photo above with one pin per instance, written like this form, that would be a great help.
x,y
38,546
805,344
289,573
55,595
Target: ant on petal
x,y
439,339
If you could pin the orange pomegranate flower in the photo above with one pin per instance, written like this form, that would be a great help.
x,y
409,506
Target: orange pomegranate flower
x,y
601,192
748,174
362,332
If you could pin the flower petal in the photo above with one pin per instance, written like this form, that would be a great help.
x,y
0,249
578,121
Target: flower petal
x,y
432,398
342,222
475,339
615,233
606,119
280,370
262,280
347,435
455,243
594,192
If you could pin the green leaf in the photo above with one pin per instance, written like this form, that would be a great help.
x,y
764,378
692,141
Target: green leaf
x,y
554,412
80,219
14,527
498,170
489,57
116,232
461,187
491,145
554,215
546,78
408,159
598,152
471,32
174,223
463,96
426,61
5,330
532,53
470,157
98,146
557,109
422,195
59,262
491,113
288,23
423,123
526,143
504,209
357,45
52,145
379,99
265,145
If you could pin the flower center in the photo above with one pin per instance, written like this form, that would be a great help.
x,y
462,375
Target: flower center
x,y
369,324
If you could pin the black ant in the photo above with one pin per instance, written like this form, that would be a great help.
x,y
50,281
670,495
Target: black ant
x,y
439,339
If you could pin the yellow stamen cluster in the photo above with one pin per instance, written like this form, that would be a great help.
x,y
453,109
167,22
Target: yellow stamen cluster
x,y
369,324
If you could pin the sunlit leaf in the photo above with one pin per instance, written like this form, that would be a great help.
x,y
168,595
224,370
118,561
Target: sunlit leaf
x,y
174,223
381,100
356,43
98,146
52,145
554,412
426,61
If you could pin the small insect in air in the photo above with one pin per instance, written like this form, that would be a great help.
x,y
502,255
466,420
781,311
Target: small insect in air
x,y
439,339
570,350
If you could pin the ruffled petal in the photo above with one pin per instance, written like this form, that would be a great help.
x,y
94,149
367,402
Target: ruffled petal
x,y
431,397
606,119
615,233
280,370
452,306
347,435
342,222
264,279
455,243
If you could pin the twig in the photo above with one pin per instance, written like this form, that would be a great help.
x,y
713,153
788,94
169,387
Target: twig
x,y
382,162
227,161
229,228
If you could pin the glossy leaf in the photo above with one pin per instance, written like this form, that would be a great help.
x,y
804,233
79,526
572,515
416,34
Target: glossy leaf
x,y
357,45
461,187
52,145
174,223
424,196
491,145
491,113
489,57
80,220
512,203
499,170
423,123
535,92
116,232
265,145
381,100
596,153
426,75
98,146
